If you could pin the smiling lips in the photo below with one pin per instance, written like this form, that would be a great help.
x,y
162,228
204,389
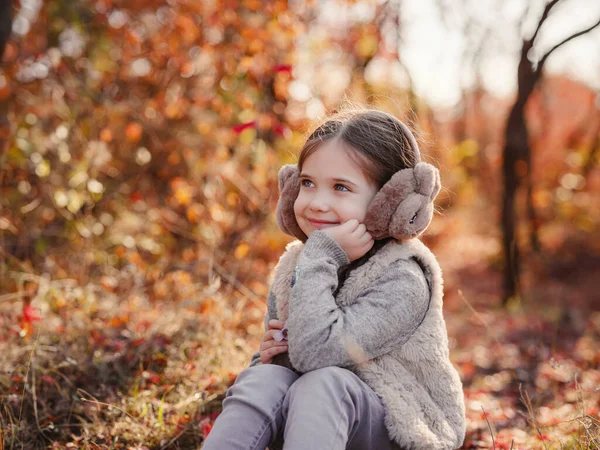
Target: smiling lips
x,y
319,224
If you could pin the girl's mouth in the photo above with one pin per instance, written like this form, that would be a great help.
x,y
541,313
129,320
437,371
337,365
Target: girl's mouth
x,y
320,224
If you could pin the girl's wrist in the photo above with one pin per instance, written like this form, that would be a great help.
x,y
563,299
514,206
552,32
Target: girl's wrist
x,y
320,244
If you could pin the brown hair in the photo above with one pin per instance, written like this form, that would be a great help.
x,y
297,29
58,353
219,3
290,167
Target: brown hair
x,y
377,139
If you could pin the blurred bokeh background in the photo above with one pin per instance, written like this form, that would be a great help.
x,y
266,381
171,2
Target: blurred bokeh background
x,y
139,146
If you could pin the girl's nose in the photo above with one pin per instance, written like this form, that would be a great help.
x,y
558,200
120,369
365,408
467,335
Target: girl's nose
x,y
318,203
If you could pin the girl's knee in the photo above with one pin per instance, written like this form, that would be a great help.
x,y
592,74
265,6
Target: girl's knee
x,y
263,379
267,374
323,382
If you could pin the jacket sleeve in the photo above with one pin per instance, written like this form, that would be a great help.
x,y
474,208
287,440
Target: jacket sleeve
x,y
271,314
387,313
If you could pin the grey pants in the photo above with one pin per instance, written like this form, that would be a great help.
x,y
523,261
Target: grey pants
x,y
272,406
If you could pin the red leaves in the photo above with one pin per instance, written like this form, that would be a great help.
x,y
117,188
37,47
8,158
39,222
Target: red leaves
x,y
30,314
284,68
206,426
241,127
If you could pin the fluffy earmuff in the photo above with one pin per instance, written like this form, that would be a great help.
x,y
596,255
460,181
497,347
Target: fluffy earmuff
x,y
403,207
289,188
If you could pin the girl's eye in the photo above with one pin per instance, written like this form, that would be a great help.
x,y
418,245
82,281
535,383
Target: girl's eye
x,y
306,183
341,188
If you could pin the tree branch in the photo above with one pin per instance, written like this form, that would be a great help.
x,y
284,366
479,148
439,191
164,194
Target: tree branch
x,y
545,14
563,42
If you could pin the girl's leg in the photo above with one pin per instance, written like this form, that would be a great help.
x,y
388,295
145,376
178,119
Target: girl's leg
x,y
331,408
251,413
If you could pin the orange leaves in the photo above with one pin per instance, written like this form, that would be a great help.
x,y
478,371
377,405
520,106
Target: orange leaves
x,y
188,29
106,135
175,286
110,284
195,212
133,132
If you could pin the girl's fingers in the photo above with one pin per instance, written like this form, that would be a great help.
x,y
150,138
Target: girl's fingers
x,y
275,324
350,225
360,230
269,344
268,336
365,237
267,356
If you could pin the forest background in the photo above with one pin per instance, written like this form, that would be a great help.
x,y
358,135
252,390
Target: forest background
x,y
139,146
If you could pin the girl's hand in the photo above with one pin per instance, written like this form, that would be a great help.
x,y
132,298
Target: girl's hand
x,y
353,237
269,347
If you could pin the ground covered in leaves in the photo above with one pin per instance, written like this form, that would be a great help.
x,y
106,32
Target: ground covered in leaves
x,y
99,367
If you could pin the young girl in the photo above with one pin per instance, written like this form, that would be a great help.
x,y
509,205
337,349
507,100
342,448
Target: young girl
x,y
361,361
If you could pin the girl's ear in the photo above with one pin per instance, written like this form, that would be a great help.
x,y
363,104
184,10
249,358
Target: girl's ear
x,y
403,207
289,187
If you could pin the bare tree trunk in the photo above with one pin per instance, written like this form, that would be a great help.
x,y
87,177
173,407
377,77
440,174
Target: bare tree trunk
x,y
516,165
516,141
517,155
5,23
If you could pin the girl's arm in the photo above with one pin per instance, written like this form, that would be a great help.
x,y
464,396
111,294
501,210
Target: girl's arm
x,y
271,314
387,313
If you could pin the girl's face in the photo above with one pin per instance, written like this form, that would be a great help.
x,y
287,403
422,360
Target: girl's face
x,y
333,189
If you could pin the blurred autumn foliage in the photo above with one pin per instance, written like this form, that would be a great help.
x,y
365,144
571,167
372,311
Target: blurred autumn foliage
x,y
140,143
144,135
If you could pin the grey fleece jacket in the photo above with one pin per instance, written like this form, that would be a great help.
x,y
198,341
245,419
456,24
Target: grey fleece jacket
x,y
385,323
377,322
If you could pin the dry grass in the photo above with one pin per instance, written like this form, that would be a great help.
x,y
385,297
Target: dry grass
x,y
104,372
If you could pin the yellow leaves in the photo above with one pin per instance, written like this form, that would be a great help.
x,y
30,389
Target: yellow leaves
x,y
204,128
232,199
183,192
541,199
217,212
161,289
43,169
174,286
75,201
183,196
182,277
464,150
241,251
247,136
222,154
177,108
367,46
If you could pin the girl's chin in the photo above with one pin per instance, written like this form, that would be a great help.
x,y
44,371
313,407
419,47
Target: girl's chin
x,y
322,226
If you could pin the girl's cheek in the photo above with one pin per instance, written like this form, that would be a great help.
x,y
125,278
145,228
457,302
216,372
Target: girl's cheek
x,y
298,205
